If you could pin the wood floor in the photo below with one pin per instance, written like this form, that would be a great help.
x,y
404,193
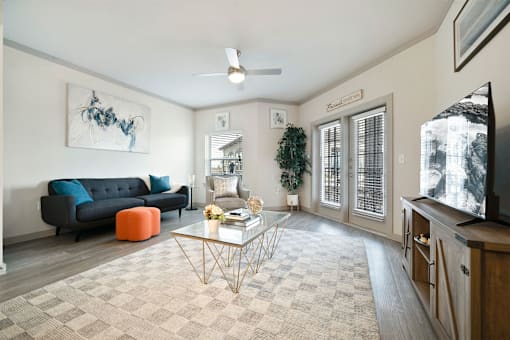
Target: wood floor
x,y
36,263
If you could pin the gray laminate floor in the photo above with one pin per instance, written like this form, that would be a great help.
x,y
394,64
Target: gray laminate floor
x,y
36,263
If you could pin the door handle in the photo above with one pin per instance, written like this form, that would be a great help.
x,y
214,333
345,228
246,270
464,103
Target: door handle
x,y
464,270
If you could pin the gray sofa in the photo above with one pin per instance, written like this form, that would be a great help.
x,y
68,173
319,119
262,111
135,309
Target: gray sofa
x,y
110,195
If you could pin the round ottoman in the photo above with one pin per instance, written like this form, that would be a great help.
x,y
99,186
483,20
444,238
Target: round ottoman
x,y
137,224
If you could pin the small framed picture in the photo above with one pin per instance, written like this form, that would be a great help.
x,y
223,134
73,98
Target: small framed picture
x,y
222,121
278,118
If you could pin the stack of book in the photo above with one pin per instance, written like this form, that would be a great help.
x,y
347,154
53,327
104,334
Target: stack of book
x,y
241,218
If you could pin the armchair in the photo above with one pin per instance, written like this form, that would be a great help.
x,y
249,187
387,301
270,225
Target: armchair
x,y
226,203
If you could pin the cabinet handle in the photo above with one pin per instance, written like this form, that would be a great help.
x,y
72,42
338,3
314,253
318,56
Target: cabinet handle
x,y
431,263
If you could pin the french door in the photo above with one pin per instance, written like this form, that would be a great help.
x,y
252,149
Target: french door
x,y
369,169
355,163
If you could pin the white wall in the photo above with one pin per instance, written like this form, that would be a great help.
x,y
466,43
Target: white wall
x,y
423,83
2,267
492,63
35,138
409,76
261,173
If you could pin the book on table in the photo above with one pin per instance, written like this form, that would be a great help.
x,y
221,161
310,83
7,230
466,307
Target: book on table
x,y
237,215
241,218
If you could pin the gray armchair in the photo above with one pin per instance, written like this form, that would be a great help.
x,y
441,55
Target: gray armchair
x,y
226,203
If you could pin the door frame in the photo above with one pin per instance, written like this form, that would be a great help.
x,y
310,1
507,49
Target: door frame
x,y
342,214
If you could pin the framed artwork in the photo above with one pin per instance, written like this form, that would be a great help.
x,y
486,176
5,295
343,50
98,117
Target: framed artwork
x,y
278,118
475,25
97,120
222,121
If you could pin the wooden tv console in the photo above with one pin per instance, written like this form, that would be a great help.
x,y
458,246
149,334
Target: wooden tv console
x,y
463,277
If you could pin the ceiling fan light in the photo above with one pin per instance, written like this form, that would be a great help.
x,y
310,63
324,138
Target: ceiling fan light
x,y
236,77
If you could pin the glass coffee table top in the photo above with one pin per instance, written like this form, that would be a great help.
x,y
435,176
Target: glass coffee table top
x,y
230,234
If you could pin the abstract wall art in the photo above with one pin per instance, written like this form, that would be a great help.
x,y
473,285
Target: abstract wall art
x,y
101,121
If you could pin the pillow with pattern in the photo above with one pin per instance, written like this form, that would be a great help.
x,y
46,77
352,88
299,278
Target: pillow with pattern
x,y
225,186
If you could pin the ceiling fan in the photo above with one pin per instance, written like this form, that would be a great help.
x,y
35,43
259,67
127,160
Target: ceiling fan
x,y
236,73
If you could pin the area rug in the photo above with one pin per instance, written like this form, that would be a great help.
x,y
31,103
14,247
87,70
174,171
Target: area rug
x,y
315,287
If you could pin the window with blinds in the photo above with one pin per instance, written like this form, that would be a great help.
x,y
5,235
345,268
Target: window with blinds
x,y
331,164
369,190
226,154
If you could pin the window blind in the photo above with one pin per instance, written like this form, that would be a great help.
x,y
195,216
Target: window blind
x,y
331,163
226,154
369,162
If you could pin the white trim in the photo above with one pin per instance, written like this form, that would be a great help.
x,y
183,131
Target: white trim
x,y
330,206
36,53
330,124
369,113
368,214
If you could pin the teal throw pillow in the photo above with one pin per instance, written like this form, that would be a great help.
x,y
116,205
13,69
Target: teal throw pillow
x,y
159,184
72,188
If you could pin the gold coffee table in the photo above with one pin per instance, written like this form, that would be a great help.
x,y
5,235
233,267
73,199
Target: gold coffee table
x,y
233,247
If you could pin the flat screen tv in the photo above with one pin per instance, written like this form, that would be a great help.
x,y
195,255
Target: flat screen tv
x,y
457,156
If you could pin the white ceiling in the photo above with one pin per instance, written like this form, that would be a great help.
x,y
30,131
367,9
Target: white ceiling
x,y
156,45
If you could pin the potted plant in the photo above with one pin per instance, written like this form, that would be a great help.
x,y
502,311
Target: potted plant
x,y
293,161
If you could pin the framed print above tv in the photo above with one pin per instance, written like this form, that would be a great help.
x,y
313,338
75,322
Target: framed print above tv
x,y
475,25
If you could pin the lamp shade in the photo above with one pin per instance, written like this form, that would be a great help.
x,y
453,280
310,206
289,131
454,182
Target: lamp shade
x,y
191,180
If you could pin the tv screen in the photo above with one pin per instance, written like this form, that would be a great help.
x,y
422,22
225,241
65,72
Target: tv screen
x,y
454,154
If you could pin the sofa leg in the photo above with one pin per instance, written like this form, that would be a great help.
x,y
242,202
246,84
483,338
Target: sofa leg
x,y
180,213
77,238
57,232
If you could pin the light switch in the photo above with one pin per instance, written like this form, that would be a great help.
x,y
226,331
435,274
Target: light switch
x,y
401,158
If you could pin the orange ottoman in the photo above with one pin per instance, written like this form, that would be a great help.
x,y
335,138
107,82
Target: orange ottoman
x,y
137,224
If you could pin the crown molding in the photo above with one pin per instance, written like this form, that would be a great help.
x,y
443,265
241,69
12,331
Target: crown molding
x,y
379,60
36,53
247,101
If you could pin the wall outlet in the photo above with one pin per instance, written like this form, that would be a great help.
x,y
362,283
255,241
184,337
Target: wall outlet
x,y
38,205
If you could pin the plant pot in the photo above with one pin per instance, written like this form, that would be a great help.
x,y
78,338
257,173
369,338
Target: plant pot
x,y
213,225
292,200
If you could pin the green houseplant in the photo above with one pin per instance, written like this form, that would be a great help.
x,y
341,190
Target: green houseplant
x,y
293,161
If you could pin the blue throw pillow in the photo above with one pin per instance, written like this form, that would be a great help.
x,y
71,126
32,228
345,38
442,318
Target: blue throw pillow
x,y
159,184
72,188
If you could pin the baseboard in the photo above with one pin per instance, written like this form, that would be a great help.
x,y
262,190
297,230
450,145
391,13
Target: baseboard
x,y
277,208
28,237
393,237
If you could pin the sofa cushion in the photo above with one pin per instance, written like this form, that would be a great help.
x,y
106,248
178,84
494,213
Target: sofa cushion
x,y
72,188
165,201
105,208
159,184
106,188
225,186
230,203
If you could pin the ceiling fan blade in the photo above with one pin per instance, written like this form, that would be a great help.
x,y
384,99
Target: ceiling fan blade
x,y
210,74
233,57
265,72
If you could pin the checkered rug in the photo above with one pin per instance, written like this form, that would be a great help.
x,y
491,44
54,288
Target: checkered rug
x,y
315,287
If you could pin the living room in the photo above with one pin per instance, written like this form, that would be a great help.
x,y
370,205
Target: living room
x,y
400,59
